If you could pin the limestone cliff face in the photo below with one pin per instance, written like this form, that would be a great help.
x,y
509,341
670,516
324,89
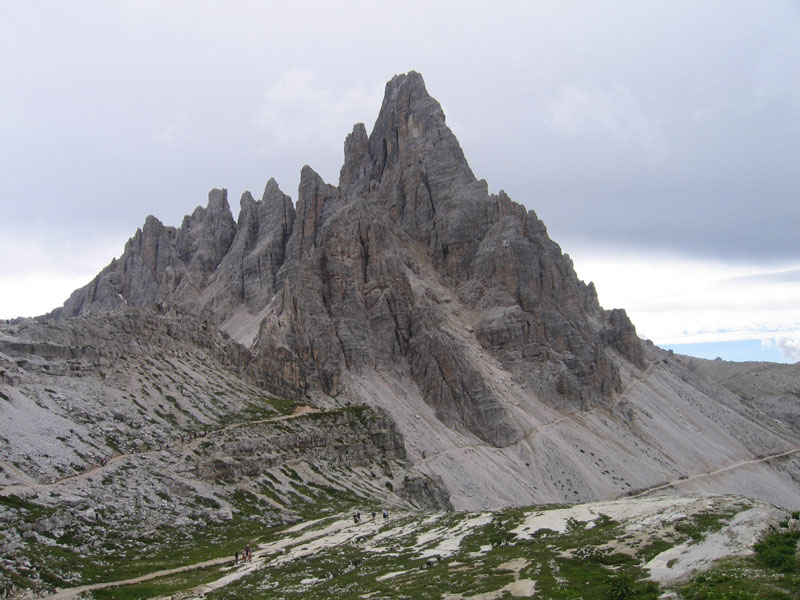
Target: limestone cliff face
x,y
409,267
211,264
378,267
247,274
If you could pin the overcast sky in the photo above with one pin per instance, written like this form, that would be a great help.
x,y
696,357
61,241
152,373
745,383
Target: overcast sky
x,y
658,141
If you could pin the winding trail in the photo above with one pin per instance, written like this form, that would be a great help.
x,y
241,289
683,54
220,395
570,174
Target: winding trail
x,y
184,448
308,542
637,377
732,467
455,449
69,593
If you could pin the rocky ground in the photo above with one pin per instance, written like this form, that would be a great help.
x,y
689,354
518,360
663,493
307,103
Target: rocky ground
x,y
642,548
135,440
138,449
407,287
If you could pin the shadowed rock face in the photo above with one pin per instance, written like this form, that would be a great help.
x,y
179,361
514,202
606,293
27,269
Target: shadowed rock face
x,y
408,267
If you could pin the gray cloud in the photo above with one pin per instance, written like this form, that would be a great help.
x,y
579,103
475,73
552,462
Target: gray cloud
x,y
791,276
789,347
667,127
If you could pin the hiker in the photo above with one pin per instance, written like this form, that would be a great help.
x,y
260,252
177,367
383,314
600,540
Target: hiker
x,y
373,515
385,514
236,558
355,517
248,552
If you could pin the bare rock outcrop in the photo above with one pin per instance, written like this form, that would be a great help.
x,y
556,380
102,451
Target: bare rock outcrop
x,y
247,274
211,265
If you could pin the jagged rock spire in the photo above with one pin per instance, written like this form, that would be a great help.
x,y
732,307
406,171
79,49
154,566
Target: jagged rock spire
x,y
410,130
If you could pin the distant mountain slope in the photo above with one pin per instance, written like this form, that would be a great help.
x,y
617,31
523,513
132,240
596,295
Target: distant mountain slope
x,y
773,388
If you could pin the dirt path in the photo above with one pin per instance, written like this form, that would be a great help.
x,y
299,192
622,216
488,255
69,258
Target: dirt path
x,y
183,448
298,411
69,593
732,467
309,542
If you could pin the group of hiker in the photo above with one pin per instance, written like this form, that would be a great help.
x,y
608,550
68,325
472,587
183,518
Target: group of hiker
x,y
247,555
193,435
357,516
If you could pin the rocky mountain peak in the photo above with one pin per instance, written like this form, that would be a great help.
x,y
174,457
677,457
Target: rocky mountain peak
x,y
357,164
205,237
315,201
410,137
273,193
409,266
277,210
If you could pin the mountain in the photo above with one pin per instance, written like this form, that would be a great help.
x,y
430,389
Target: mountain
x,y
411,288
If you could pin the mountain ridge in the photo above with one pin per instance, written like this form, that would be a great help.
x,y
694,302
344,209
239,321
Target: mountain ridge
x,y
411,288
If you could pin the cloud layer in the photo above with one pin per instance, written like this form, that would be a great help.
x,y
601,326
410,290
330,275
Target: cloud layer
x,y
297,113
656,129
674,300
614,113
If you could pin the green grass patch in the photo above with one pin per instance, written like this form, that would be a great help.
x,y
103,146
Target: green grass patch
x,y
773,573
350,571
291,473
281,405
161,586
30,511
739,579
779,551
653,548
700,525
168,417
113,443
168,548
206,501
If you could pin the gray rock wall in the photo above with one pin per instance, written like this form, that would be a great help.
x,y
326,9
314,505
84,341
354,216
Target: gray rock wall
x,y
378,273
